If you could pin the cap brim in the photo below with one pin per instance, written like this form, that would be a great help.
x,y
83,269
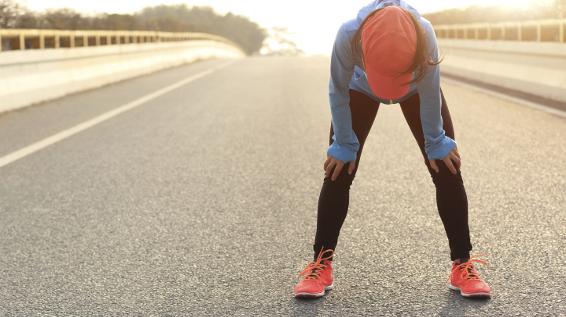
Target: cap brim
x,y
389,87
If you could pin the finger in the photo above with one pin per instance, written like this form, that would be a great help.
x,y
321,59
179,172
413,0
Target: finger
x,y
329,168
457,161
337,170
450,165
328,160
433,165
351,167
457,153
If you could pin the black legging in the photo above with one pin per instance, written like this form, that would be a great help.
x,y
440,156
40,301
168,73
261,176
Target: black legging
x,y
450,192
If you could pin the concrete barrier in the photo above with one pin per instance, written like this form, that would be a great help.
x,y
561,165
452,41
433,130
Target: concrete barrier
x,y
32,76
546,30
534,68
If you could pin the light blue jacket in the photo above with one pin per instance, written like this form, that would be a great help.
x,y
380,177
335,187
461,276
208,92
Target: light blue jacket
x,y
346,72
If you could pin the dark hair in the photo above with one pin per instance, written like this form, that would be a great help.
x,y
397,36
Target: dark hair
x,y
422,58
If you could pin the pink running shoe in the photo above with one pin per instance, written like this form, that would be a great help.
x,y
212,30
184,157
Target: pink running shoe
x,y
466,279
317,277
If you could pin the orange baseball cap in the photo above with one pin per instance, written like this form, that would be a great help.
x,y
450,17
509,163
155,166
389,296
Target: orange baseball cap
x,y
389,45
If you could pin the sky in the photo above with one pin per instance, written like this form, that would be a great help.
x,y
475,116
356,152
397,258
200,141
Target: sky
x,y
312,24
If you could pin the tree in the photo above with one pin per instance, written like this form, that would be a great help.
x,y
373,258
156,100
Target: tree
x,y
63,19
181,18
482,14
9,13
171,18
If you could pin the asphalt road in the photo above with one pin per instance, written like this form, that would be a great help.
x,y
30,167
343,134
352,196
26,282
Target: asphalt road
x,y
202,202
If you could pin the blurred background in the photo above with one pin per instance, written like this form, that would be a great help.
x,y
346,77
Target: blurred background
x,y
164,158
250,22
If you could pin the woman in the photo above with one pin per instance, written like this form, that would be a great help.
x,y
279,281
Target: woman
x,y
389,54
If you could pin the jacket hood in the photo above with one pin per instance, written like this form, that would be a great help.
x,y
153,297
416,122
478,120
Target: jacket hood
x,y
378,4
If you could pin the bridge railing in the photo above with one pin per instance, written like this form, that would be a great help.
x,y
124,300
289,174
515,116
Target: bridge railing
x,y
24,39
527,58
40,65
525,31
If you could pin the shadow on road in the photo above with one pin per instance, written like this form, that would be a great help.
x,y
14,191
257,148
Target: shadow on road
x,y
453,305
308,307
456,305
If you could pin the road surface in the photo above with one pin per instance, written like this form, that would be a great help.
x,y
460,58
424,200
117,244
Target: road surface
x,y
202,202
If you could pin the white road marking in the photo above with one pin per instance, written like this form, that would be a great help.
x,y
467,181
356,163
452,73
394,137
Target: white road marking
x,y
30,149
503,96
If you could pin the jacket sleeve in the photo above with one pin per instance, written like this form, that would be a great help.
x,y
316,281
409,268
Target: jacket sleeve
x,y
437,144
345,143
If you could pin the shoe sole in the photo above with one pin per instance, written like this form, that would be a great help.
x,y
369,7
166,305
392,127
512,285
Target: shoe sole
x,y
315,295
478,294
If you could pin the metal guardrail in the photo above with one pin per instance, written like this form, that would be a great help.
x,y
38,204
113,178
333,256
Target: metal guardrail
x,y
25,39
527,31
